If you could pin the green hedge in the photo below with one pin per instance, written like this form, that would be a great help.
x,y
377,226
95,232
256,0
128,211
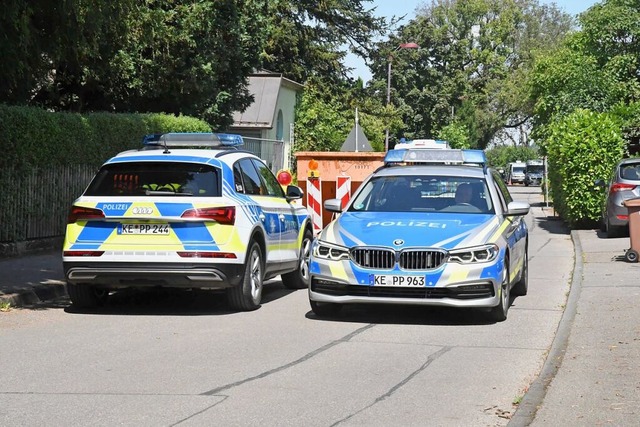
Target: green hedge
x,y
582,147
32,138
47,159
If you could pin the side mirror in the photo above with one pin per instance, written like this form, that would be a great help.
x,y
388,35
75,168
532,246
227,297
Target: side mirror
x,y
294,192
517,209
333,205
600,183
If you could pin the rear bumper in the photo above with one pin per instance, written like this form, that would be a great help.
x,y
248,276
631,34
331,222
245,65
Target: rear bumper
x,y
128,275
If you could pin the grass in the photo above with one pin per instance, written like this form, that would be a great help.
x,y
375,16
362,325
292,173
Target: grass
x,y
5,306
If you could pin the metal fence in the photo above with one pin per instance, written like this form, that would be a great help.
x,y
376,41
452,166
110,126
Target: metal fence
x,y
35,205
272,152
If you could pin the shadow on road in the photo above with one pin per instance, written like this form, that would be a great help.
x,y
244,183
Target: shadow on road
x,y
553,225
409,315
173,302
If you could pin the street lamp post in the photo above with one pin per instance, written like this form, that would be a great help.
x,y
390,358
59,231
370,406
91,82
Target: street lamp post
x,y
401,46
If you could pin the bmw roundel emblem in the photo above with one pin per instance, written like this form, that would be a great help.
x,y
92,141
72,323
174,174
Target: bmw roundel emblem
x,y
398,242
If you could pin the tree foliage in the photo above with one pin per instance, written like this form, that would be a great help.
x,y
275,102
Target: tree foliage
x,y
173,56
307,38
501,156
473,54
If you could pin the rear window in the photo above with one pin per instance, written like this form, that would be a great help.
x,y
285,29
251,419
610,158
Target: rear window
x,y
630,171
156,179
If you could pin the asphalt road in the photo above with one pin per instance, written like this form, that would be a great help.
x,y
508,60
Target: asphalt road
x,y
166,358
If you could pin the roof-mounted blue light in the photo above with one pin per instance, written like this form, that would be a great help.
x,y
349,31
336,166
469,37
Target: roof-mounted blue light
x,y
193,140
437,156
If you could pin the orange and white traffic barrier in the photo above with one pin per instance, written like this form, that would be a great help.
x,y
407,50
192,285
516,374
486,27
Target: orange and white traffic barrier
x,y
314,202
343,190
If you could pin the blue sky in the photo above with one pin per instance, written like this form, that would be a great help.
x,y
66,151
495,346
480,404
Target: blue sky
x,y
408,7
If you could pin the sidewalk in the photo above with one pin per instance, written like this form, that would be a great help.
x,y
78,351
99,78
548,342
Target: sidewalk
x,y
592,377
31,279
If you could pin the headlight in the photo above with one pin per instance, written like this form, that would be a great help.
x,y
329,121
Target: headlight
x,y
329,251
484,253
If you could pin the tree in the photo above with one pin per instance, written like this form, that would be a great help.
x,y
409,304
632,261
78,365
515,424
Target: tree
x,y
174,56
306,37
470,53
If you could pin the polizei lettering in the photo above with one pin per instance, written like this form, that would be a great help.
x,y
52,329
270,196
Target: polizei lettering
x,y
425,224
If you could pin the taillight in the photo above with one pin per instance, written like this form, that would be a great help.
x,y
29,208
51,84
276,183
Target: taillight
x,y
83,253
79,213
196,254
621,187
222,215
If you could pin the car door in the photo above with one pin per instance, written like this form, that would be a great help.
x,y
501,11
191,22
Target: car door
x,y
288,225
516,232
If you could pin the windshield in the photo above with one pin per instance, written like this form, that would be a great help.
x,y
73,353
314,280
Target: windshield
x,y
518,169
423,193
155,179
535,169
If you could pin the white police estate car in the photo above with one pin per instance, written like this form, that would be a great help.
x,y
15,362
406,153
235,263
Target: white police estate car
x,y
430,227
190,211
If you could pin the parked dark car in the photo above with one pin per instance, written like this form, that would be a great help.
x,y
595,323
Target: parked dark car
x,y
623,184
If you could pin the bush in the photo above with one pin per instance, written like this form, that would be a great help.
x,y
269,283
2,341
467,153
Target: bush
x,y
47,156
501,156
33,138
581,147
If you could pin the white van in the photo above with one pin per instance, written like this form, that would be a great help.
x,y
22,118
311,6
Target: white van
x,y
515,173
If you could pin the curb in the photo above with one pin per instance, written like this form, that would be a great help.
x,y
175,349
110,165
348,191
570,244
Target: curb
x,y
534,397
34,295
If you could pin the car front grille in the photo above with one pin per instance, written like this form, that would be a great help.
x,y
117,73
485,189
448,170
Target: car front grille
x,y
421,260
386,259
382,259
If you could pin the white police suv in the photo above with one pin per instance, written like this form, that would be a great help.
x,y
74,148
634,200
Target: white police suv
x,y
187,210
430,227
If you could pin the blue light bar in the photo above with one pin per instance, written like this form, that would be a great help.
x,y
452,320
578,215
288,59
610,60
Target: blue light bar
x,y
437,156
193,140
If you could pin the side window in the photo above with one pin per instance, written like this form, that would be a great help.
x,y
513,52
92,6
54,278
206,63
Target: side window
x,y
503,191
237,178
270,182
250,178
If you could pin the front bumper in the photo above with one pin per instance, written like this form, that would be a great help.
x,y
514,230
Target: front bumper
x,y
449,286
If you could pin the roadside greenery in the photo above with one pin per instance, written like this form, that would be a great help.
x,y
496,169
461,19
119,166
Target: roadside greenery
x,y
585,111
32,138
501,156
581,147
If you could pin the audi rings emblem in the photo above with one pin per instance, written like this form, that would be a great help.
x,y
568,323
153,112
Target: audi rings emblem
x,y
142,211
398,242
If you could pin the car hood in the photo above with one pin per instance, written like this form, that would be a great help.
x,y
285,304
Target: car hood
x,y
411,229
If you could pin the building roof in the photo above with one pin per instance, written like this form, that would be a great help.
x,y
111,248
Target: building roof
x,y
265,87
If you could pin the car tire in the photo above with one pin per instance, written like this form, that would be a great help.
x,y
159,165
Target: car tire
x,y
247,295
522,286
499,312
86,296
325,309
299,278
614,231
